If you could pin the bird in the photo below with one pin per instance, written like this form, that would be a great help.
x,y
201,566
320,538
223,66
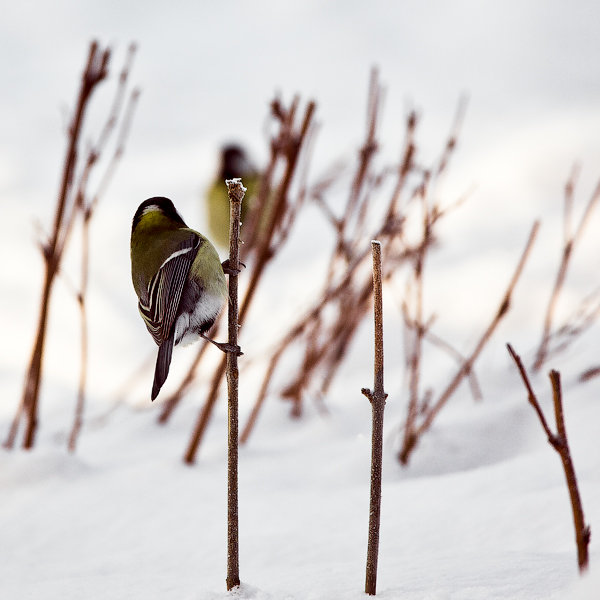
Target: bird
x,y
178,278
234,162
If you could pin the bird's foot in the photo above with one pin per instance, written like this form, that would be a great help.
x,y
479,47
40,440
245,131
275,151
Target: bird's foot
x,y
224,347
228,270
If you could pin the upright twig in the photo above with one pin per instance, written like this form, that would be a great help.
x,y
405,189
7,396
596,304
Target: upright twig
x,y
571,238
377,398
95,72
560,443
236,193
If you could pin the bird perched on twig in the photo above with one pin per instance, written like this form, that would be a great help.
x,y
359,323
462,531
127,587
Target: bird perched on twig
x,y
178,278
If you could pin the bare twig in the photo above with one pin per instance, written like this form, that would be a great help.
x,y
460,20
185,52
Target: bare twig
x,y
419,329
560,443
416,431
370,146
531,395
347,292
347,257
582,531
86,209
377,398
589,373
95,72
571,239
236,193
452,351
251,422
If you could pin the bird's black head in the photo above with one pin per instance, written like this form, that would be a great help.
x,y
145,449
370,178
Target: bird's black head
x,y
234,162
164,205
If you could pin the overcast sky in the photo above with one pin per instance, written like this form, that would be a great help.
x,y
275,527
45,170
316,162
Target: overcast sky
x,y
208,70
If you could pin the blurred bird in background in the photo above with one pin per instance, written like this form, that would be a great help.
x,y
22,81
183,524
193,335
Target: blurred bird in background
x,y
234,162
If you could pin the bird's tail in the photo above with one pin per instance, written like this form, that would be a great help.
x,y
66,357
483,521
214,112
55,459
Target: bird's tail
x,y
163,361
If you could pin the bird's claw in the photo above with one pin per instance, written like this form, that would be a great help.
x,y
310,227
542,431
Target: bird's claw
x,y
225,347
231,348
228,270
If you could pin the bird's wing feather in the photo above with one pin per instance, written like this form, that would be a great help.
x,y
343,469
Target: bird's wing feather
x,y
166,287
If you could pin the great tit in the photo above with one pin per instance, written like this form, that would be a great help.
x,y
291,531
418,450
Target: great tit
x,y
234,162
178,278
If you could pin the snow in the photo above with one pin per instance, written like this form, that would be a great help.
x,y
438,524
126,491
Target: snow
x,y
479,514
482,510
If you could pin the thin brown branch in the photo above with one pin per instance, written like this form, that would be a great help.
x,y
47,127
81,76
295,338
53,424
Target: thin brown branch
x,y
370,146
205,413
251,422
419,329
460,358
86,209
570,241
405,166
326,330
236,193
377,397
95,72
582,531
531,397
453,137
119,147
589,373
411,440
575,325
346,291
560,443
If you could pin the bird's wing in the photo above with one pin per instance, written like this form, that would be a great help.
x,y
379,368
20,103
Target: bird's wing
x,y
166,287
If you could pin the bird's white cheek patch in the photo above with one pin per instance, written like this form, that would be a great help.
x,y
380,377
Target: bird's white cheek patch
x,y
151,208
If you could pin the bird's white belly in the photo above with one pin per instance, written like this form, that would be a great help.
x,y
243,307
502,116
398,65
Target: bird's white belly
x,y
189,325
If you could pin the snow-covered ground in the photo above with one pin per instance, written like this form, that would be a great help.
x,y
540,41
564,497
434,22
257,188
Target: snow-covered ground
x,y
482,511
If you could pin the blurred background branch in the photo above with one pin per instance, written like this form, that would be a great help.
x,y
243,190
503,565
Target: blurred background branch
x,y
71,201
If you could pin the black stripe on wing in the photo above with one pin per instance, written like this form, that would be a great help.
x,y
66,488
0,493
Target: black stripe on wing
x,y
166,287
